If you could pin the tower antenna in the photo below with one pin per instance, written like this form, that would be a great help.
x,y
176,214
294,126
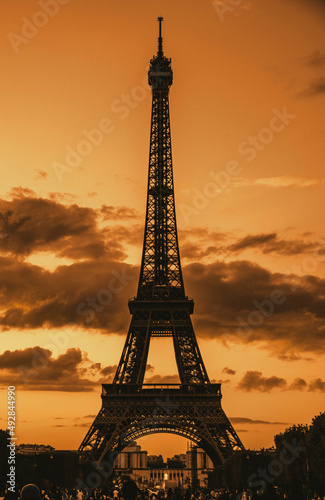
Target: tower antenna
x,y
160,46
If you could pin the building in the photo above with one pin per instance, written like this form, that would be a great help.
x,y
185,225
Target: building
x,y
33,449
153,471
132,457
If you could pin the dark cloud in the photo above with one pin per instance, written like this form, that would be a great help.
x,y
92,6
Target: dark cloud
x,y
118,213
233,300
316,87
245,420
198,243
317,385
108,371
245,303
91,294
298,384
35,369
203,243
270,243
252,241
38,224
229,371
12,359
254,381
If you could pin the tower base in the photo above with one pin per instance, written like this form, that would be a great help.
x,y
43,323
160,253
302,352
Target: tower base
x,y
131,411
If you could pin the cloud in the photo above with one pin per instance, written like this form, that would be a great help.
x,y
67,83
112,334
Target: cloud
x,y
317,385
203,244
244,303
298,384
108,370
245,420
293,357
198,243
283,181
233,301
90,294
252,241
40,174
163,379
38,224
254,381
35,369
229,371
316,87
270,243
118,213
21,192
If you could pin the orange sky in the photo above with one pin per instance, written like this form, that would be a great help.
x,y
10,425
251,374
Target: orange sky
x,y
247,113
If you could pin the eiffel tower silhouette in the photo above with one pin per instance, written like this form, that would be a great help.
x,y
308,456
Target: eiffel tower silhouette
x,y
132,409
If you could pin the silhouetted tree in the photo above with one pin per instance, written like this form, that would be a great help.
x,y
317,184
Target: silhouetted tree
x,y
316,454
291,451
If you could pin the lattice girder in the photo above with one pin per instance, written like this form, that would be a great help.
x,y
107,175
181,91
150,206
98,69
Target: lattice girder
x,y
164,322
133,411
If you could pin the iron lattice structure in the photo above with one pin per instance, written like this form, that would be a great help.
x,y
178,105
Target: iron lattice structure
x,y
192,408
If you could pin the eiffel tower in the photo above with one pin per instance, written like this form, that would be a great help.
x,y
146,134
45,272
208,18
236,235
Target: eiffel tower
x,y
132,409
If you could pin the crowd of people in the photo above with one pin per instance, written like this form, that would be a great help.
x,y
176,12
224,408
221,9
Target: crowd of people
x,y
130,491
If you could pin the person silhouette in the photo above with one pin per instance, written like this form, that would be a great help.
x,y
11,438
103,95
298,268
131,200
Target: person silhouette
x,y
30,492
129,490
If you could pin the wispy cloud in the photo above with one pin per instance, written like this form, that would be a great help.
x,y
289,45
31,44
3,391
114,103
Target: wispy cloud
x,y
315,87
316,58
279,182
245,420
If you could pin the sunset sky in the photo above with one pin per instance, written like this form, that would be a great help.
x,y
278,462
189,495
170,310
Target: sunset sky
x,y
247,120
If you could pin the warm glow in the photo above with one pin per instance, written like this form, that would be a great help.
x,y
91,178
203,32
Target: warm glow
x,y
247,120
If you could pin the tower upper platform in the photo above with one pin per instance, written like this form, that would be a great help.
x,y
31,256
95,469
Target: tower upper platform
x,y
160,74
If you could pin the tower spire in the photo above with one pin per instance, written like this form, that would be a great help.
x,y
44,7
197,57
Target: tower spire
x,y
160,46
